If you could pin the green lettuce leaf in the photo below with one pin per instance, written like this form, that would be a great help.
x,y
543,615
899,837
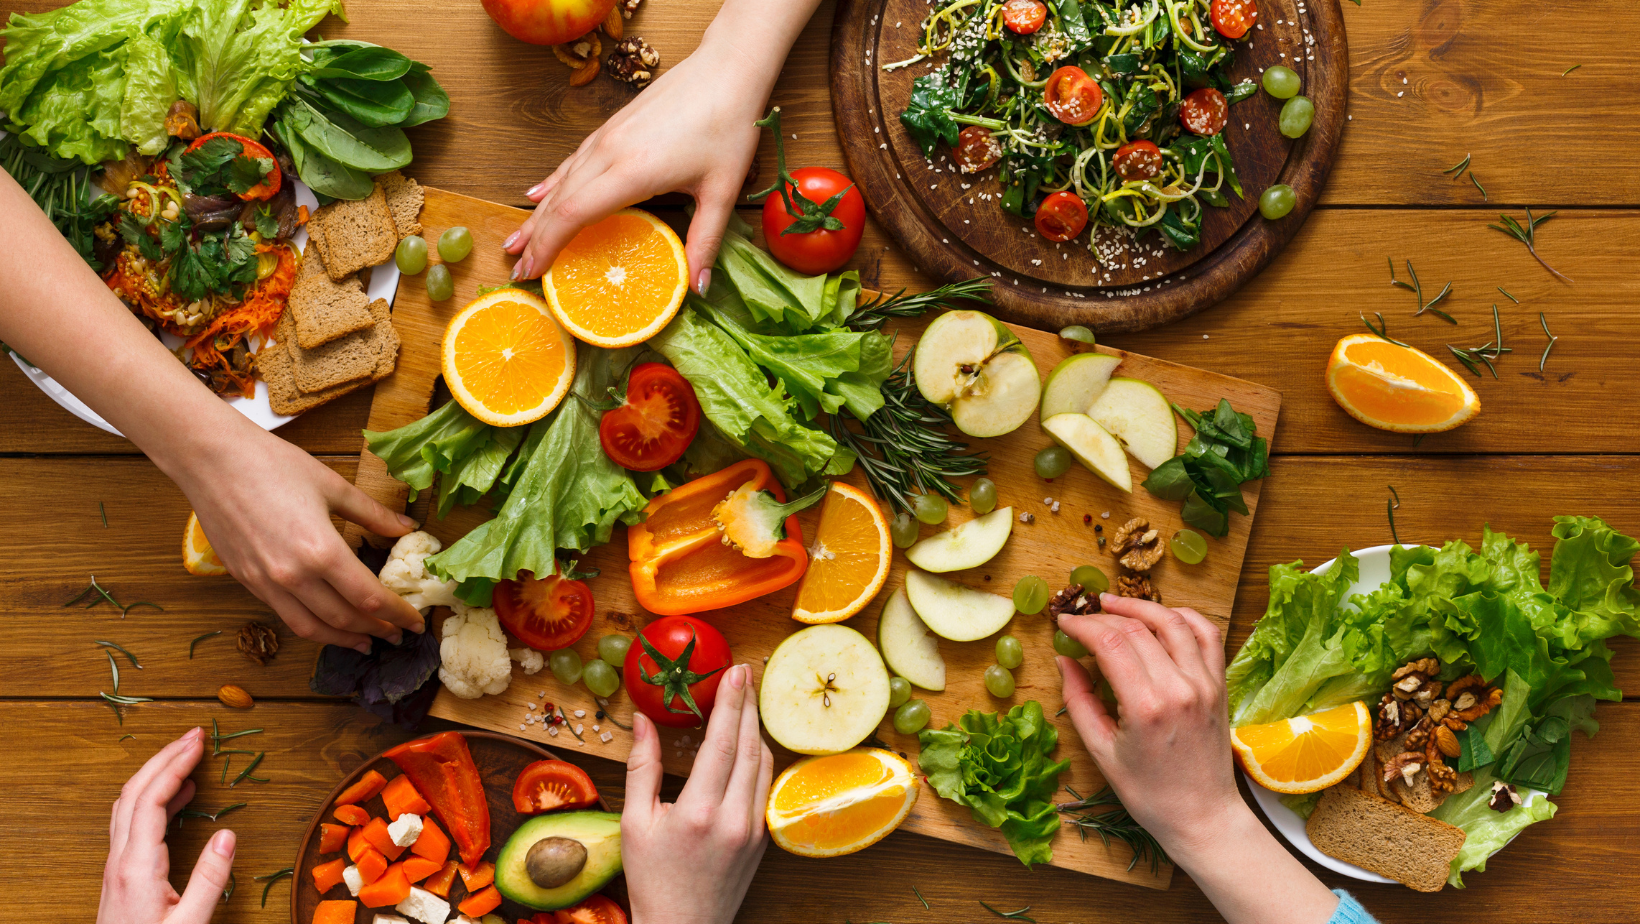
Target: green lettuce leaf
x,y
1296,647
150,89
768,289
1487,831
236,59
416,452
1590,573
75,111
471,478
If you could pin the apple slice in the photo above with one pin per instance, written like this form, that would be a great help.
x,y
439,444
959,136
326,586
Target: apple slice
x,y
1075,384
972,365
967,546
824,690
1138,415
1092,446
908,647
953,611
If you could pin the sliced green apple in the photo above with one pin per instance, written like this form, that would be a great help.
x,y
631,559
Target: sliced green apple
x,y
908,647
953,611
824,690
1092,446
1074,385
967,546
1138,415
972,365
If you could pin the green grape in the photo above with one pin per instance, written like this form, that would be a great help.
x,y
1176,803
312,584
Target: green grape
x,y
1030,594
930,508
1277,201
999,682
601,679
411,255
566,665
899,690
1281,82
1010,653
1053,462
1078,333
1188,546
1296,116
912,717
1067,646
612,649
903,530
439,284
455,244
982,497
1090,579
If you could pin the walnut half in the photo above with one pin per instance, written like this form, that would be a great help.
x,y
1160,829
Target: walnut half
x,y
634,61
1136,545
1137,586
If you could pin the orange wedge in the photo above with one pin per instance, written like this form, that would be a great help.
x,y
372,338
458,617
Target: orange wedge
x,y
506,360
618,282
197,555
840,803
1307,753
848,562
1397,388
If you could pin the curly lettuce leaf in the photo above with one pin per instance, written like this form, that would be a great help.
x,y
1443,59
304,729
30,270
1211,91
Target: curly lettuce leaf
x,y
236,59
768,289
1487,831
469,479
1296,647
1591,573
416,452
150,89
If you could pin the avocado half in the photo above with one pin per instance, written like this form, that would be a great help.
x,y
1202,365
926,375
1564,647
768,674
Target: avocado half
x,y
598,832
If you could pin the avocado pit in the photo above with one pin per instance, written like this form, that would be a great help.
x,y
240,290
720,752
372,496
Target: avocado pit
x,y
553,861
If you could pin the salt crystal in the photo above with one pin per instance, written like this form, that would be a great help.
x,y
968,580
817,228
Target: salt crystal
x,y
605,737
580,713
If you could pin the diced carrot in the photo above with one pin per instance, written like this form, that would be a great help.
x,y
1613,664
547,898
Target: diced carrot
x,y
356,844
480,903
332,837
439,883
375,834
432,843
363,790
336,912
478,877
390,889
418,868
351,815
371,865
327,876
401,798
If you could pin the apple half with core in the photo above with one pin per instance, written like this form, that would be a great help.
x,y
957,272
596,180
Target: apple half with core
x,y
1138,415
1093,446
908,647
824,690
967,546
955,612
972,365
1076,383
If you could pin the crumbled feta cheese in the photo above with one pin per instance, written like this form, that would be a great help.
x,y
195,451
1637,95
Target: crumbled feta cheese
x,y
389,919
354,879
424,906
407,828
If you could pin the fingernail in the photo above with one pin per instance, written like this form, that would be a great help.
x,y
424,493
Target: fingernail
x,y
419,627
534,189
704,281
407,522
640,726
512,238
223,843
395,638
362,648
525,268
518,269
195,732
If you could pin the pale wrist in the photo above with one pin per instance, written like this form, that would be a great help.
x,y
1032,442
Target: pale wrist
x,y
1214,843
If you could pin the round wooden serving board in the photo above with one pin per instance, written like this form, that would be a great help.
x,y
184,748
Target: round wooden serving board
x,y
956,233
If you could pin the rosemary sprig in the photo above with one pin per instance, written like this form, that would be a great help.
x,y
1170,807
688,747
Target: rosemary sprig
x,y
104,511
1458,168
610,713
198,640
1417,288
1507,295
209,816
1113,821
1552,338
1527,234
125,736
1390,506
919,897
233,883
121,650
115,667
1478,186
246,773
124,610
1570,69
272,878
1487,354
1381,329
1011,915
123,700
875,313
94,588
565,720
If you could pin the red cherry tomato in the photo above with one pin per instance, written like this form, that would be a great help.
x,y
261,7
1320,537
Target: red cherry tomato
x,y
1061,216
1232,18
594,909
1072,96
1138,160
976,149
1022,17
670,635
821,250
547,785
544,613
1204,111
255,151
656,422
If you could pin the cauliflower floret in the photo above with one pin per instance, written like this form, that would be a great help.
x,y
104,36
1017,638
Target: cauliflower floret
x,y
473,652
406,574
528,658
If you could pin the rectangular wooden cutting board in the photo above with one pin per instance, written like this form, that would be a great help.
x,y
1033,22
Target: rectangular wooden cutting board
x,y
1049,546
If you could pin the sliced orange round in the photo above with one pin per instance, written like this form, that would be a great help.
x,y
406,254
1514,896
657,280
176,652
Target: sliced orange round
x,y
1397,388
840,803
506,360
848,562
1307,753
618,282
197,555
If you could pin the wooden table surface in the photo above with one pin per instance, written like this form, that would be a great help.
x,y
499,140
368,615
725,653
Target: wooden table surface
x,y
1431,81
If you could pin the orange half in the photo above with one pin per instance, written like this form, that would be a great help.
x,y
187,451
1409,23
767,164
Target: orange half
x,y
506,360
840,803
1307,753
1397,388
848,562
197,555
618,282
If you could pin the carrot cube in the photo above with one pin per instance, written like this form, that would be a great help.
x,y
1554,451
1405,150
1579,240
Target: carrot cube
x,y
363,790
335,912
356,844
327,876
375,834
480,903
371,865
390,889
401,798
351,815
478,877
418,868
439,883
332,837
433,843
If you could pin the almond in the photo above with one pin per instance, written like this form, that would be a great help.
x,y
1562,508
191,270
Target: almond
x,y
234,697
584,76
613,26
1447,741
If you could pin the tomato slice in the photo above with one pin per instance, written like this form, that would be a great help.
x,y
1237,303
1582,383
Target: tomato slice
x,y
1072,96
594,909
544,613
255,151
547,785
976,149
1023,17
656,422
1138,160
1061,216
1204,111
1232,18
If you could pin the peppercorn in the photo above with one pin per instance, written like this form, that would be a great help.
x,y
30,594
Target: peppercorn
x,y
1087,518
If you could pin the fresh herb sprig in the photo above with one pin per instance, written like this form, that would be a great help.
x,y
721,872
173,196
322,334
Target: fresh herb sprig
x,y
1225,453
875,313
1417,289
1104,815
209,816
1390,506
1486,354
1527,234
1382,329
1457,169
1018,915
60,187
1550,345
102,595
200,639
121,649
271,879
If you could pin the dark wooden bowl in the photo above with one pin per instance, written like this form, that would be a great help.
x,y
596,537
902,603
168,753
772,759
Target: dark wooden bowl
x,y
500,758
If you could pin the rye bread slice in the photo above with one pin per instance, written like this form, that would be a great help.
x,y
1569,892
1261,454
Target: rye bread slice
x,y
1384,837
353,235
346,359
274,363
404,200
324,309
389,358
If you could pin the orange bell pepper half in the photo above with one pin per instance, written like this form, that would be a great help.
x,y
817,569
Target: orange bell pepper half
x,y
680,562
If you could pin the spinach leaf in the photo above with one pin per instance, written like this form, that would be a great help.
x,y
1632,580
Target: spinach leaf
x,y
324,176
373,103
928,117
1238,92
1072,25
363,62
1224,454
431,100
1181,234
345,140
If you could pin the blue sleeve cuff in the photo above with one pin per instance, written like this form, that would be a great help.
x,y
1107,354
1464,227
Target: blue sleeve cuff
x,y
1349,911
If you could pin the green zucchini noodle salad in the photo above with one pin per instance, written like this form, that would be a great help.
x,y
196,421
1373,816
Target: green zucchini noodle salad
x,y
1095,113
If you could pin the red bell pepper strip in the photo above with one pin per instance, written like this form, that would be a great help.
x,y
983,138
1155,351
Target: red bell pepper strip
x,y
442,770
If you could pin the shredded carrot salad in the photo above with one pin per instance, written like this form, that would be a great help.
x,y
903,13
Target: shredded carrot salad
x,y
263,305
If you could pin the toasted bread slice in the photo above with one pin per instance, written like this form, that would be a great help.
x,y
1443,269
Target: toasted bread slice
x,y
353,235
404,200
274,364
1384,837
324,309
389,358
1419,796
346,359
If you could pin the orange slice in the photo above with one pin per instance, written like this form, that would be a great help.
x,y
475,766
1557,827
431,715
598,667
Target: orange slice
x,y
197,555
1307,753
1397,388
506,360
840,803
848,562
618,282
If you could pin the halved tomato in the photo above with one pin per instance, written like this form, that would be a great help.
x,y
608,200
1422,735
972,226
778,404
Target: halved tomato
x,y
1204,111
976,149
1138,160
656,422
1072,96
1023,17
547,785
544,613
1232,18
595,909
1061,216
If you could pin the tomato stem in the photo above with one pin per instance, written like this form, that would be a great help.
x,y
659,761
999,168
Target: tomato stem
x,y
810,217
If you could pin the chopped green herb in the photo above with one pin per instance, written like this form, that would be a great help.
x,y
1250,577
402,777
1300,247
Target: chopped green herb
x,y
198,640
127,609
1458,168
1527,234
1570,69
1478,186
919,896
1552,338
115,667
233,883
1011,915
1381,329
124,700
122,651
104,511
1390,506
1417,288
246,773
272,878
1507,295
125,736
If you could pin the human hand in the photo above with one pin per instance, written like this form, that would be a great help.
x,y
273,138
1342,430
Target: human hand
x,y
690,862
136,888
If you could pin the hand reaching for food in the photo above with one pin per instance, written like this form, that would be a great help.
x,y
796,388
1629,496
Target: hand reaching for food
x,y
136,888
719,815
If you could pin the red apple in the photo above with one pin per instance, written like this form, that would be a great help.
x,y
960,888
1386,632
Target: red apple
x,y
548,22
